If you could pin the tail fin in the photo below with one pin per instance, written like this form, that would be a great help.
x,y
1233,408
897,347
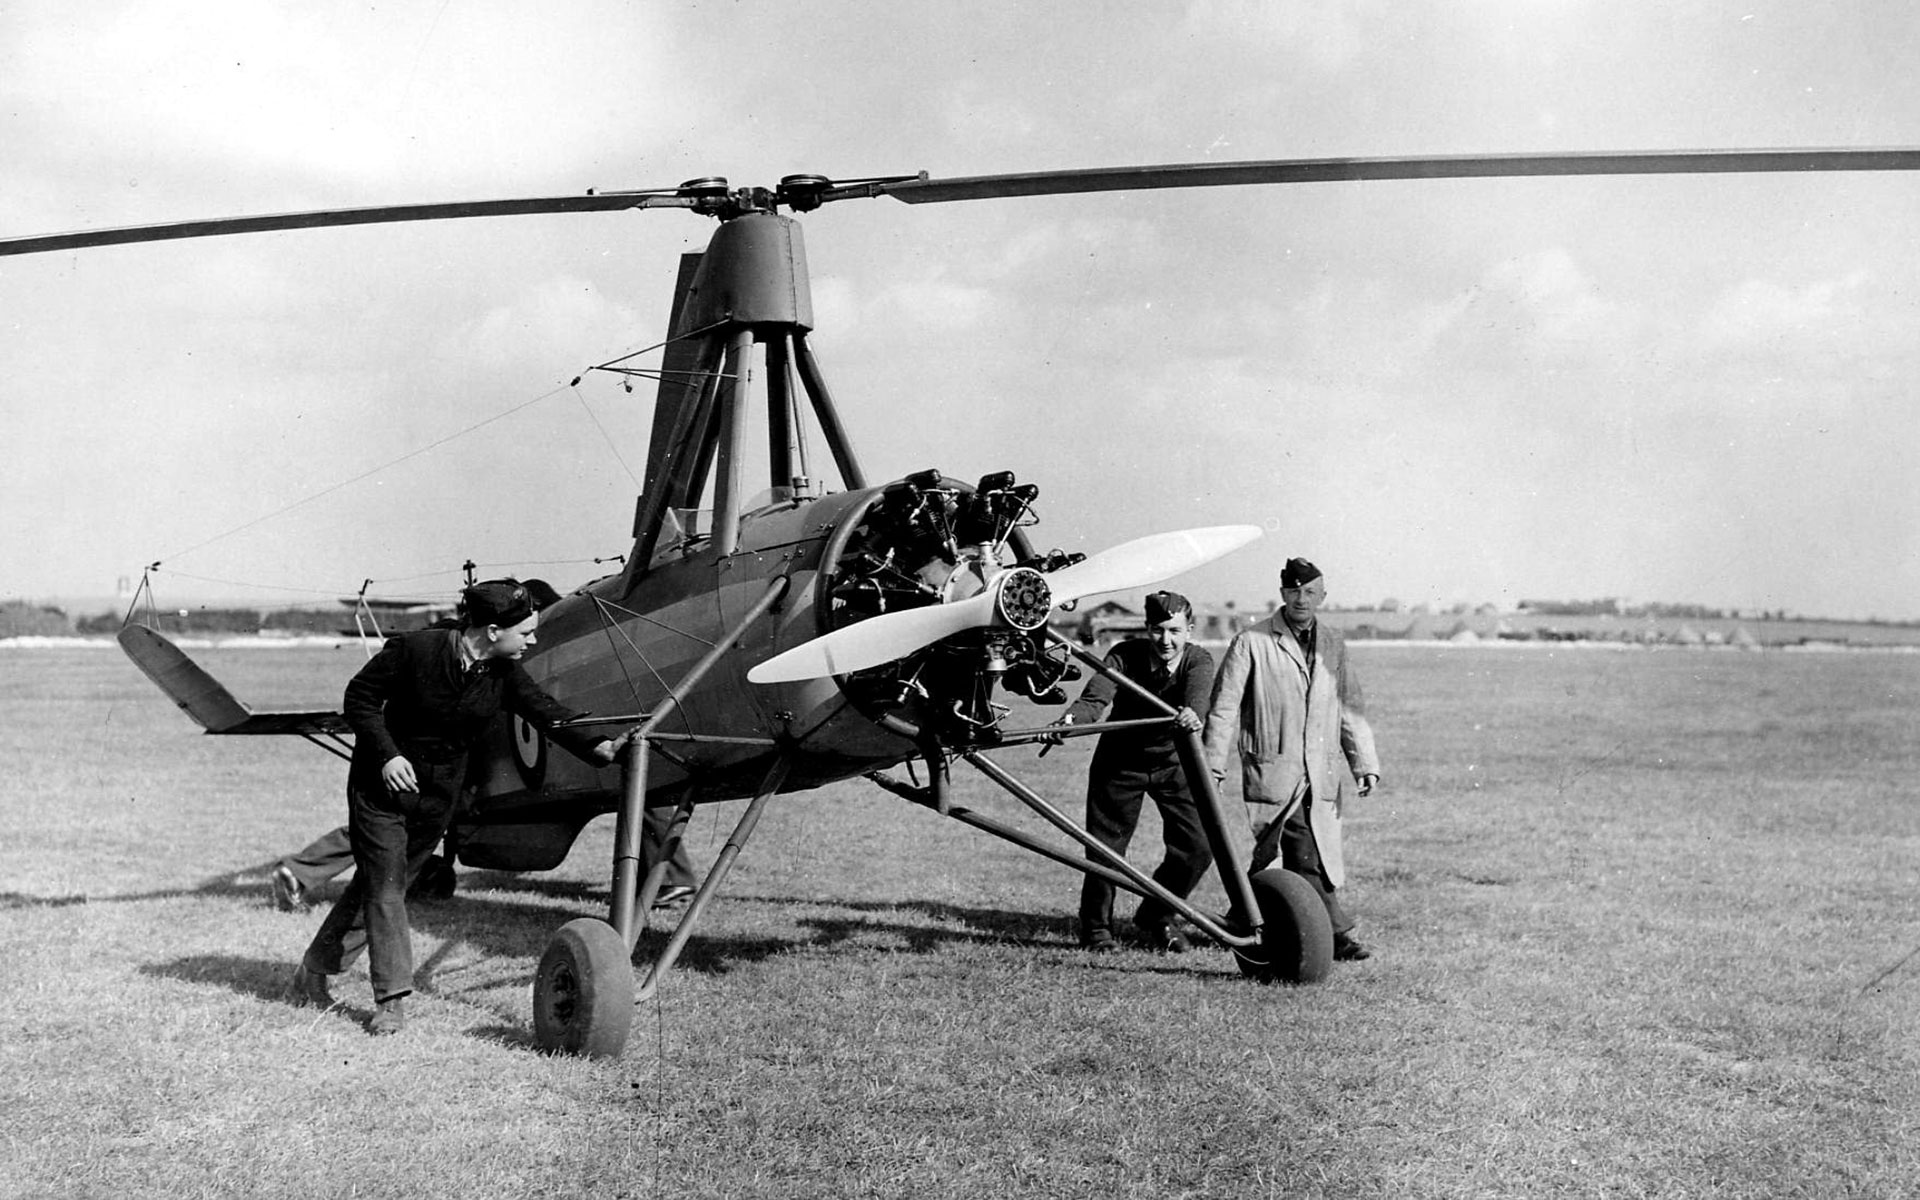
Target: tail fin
x,y
203,698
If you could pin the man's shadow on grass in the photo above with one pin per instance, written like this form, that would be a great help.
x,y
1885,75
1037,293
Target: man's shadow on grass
x,y
249,883
244,883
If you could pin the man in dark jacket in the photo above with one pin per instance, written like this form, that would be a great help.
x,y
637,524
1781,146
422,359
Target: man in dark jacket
x,y
295,877
1132,764
417,709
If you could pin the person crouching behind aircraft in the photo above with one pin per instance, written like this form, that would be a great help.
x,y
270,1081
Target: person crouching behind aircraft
x,y
1132,764
1287,700
416,709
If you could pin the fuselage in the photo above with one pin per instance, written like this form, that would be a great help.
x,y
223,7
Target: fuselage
x,y
616,652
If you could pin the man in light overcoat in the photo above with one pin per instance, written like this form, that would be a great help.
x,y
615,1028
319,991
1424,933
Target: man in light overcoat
x,y
1288,701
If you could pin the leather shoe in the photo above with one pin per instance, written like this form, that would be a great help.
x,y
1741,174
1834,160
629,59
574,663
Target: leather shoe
x,y
1100,941
309,987
287,892
389,1017
1164,938
672,894
1347,949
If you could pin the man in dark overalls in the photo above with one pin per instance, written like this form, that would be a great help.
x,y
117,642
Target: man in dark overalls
x,y
417,709
1131,764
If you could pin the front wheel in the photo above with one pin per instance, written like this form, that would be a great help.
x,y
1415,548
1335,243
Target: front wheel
x,y
583,991
1296,938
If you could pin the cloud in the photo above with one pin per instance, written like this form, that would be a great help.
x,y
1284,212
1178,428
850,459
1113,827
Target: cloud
x,y
978,115
836,305
1323,36
560,311
343,96
1763,314
931,302
1539,307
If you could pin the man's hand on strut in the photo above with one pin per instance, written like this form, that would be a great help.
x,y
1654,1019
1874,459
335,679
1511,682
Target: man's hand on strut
x,y
1367,783
1188,720
609,750
1050,740
398,775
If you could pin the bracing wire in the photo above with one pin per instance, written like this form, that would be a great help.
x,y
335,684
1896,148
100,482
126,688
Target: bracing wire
x,y
364,475
612,446
611,365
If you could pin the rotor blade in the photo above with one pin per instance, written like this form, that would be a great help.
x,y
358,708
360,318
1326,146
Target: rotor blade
x,y
1147,560
875,640
219,226
925,190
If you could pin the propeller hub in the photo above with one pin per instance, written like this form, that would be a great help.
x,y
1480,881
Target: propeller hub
x,y
1025,599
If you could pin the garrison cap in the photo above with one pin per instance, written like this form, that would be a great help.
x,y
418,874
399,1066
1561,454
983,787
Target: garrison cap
x,y
1298,573
1165,606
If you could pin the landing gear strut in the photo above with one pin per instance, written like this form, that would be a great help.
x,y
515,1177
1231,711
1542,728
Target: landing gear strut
x,y
584,992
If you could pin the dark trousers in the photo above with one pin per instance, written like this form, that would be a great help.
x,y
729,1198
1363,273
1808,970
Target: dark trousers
x,y
653,837
1114,795
393,835
321,859
1291,841
332,852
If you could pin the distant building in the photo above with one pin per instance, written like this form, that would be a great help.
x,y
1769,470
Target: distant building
x,y
373,617
1111,621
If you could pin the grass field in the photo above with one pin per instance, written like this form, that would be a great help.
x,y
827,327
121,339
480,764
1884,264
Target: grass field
x,y
1645,925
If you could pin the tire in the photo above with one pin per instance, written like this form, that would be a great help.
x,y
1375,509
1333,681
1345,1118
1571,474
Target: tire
x,y
1296,938
583,991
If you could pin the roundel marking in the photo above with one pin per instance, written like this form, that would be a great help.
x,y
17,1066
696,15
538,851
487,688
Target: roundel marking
x,y
529,752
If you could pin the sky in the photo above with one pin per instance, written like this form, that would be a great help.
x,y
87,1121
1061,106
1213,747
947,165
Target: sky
x,y
1662,389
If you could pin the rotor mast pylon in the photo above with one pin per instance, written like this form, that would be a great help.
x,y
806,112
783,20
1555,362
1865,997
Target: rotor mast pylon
x,y
748,288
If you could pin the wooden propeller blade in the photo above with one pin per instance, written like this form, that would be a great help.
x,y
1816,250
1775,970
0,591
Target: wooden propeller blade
x,y
1324,170
894,635
384,214
875,640
1147,560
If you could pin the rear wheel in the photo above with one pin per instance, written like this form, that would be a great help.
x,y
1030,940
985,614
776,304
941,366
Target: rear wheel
x,y
1296,938
583,991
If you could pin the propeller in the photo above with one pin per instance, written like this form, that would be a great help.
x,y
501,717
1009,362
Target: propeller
x,y
1020,597
803,193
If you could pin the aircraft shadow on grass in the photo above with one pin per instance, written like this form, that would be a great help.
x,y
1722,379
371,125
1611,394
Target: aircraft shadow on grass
x,y
500,928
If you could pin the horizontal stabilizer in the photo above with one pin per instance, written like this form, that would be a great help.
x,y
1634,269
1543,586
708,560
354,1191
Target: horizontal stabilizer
x,y
202,697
